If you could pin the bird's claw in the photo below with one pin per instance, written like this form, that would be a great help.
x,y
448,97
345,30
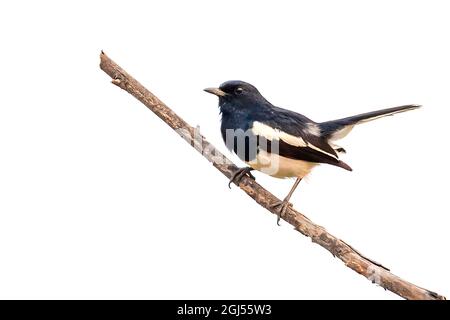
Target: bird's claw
x,y
237,176
282,207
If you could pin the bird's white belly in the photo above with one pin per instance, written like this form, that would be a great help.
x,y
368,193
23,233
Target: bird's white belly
x,y
280,167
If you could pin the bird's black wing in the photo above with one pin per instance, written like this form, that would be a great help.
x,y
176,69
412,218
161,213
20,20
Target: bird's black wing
x,y
294,136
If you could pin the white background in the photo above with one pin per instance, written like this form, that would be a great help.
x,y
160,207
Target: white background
x,y
100,199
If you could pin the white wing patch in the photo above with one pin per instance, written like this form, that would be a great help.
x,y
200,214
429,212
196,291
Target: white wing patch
x,y
270,133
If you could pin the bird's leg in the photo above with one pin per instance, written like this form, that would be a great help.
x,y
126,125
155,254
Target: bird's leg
x,y
283,205
237,176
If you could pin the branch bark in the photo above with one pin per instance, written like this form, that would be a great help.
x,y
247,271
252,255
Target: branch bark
x,y
370,269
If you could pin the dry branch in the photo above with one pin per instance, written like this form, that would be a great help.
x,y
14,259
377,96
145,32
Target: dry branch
x,y
351,258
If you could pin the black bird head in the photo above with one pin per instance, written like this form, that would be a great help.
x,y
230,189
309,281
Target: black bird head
x,y
237,95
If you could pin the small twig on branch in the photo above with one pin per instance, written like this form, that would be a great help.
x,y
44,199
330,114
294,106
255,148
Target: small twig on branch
x,y
373,271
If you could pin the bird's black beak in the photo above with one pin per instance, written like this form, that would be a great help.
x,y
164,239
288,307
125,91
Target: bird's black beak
x,y
215,91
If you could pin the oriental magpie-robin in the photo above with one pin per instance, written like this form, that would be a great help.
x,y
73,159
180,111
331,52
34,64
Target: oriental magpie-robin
x,y
280,142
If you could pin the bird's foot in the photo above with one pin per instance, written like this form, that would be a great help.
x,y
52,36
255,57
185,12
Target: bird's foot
x,y
237,176
282,207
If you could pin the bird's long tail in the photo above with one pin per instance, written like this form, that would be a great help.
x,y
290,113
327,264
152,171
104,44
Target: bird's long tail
x,y
337,129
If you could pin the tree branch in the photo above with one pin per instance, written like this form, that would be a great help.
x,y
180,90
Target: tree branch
x,y
373,271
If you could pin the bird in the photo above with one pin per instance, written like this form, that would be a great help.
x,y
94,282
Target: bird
x,y
280,142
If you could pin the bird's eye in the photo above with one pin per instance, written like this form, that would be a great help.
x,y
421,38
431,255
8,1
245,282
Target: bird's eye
x,y
239,90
